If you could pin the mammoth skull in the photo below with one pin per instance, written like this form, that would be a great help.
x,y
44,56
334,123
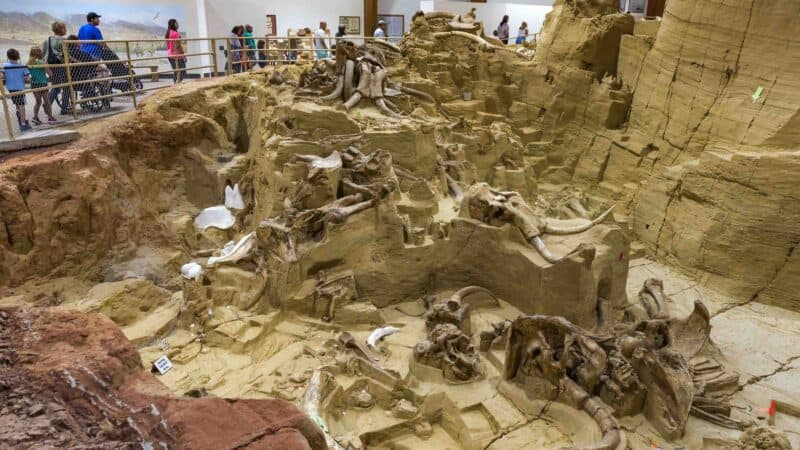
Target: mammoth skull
x,y
497,208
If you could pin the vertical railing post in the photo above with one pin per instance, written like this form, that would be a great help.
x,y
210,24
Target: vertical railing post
x,y
229,65
131,79
72,96
214,57
6,111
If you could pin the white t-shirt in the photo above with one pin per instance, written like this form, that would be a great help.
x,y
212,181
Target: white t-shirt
x,y
379,33
319,39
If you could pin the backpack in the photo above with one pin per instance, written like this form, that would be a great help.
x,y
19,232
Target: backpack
x,y
51,57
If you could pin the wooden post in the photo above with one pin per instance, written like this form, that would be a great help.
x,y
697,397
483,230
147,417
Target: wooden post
x,y
370,17
229,65
72,96
5,107
131,79
214,72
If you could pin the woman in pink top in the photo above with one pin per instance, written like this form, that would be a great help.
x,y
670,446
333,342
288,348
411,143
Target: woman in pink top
x,y
175,52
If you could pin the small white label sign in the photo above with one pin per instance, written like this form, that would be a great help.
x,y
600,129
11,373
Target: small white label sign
x,y
163,365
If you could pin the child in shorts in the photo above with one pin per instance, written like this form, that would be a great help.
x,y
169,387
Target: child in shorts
x,y
15,77
39,80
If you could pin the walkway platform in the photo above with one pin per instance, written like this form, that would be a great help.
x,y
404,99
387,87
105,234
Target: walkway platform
x,y
38,138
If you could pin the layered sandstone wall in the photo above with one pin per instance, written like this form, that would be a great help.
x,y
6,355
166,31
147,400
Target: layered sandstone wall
x,y
707,171
135,182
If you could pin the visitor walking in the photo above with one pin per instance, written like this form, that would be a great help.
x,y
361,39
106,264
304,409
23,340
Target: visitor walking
x,y
250,44
90,31
39,81
15,75
320,46
339,35
235,57
522,34
262,53
380,32
175,52
244,61
53,49
502,30
294,44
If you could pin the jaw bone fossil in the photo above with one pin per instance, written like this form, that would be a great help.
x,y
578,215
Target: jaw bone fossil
x,y
496,208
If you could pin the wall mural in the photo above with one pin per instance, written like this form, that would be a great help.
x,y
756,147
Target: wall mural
x,y
27,23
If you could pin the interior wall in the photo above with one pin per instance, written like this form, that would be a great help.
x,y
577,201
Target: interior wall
x,y
224,14
405,7
492,12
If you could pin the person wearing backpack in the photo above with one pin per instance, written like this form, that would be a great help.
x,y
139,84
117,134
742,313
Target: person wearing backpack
x,y
52,49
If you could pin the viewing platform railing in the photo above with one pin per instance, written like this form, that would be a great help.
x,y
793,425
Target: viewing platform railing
x,y
89,80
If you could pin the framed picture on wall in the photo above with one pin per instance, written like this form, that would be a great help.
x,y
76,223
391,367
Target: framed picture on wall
x,y
351,24
395,24
272,25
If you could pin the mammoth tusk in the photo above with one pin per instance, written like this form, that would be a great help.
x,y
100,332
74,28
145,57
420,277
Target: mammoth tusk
x,y
469,290
349,75
387,44
472,37
353,101
391,104
541,247
379,334
337,92
411,91
458,194
386,110
579,228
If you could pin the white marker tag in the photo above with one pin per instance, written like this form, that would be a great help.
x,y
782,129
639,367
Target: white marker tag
x,y
163,365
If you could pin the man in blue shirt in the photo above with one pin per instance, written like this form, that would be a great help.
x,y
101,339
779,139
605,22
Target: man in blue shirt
x,y
90,32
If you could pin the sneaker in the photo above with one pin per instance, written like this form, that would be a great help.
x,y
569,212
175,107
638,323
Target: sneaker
x,y
36,121
26,127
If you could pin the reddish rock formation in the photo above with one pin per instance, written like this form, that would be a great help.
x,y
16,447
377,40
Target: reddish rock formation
x,y
71,380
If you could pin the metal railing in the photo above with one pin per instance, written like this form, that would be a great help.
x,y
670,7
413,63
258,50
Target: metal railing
x,y
90,78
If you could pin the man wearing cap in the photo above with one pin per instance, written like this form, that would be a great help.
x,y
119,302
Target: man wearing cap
x,y
90,32
380,32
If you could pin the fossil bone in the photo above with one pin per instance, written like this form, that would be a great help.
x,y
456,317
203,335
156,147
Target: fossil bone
x,y
496,208
235,251
233,197
475,38
379,334
192,271
215,217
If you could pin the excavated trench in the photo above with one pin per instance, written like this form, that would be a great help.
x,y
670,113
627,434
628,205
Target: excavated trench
x,y
418,271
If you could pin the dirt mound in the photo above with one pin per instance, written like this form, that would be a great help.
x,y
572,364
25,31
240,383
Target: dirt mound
x,y
70,380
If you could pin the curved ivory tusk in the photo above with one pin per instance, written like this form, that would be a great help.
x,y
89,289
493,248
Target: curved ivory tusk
x,y
386,110
411,91
353,101
472,37
349,75
541,247
579,228
469,290
337,92
458,194
379,334
387,44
